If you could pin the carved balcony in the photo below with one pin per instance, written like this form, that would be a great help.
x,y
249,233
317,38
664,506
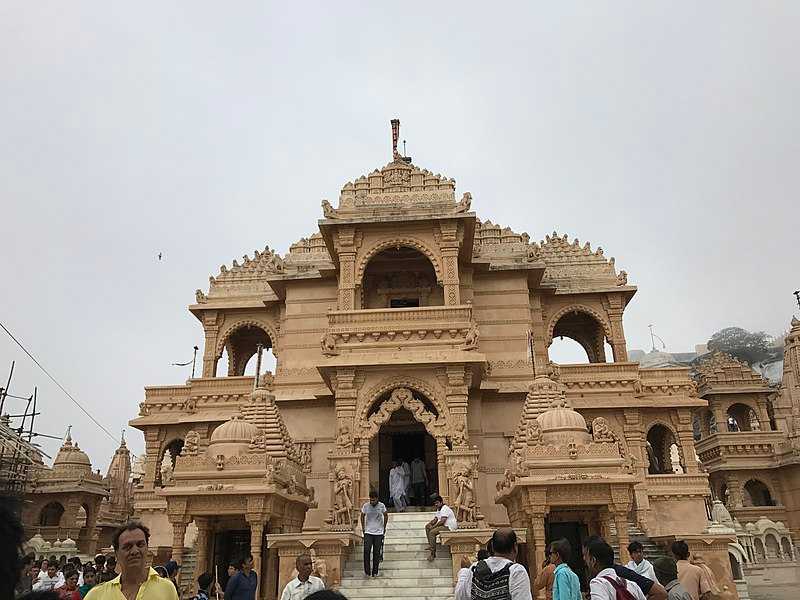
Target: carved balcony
x,y
399,328
677,484
740,449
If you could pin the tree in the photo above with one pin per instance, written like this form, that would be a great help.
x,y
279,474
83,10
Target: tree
x,y
749,347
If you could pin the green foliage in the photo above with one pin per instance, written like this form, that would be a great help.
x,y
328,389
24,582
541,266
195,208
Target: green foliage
x,y
749,347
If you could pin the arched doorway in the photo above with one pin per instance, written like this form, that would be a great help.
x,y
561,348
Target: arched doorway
x,y
237,353
400,277
585,331
404,439
757,494
51,515
663,453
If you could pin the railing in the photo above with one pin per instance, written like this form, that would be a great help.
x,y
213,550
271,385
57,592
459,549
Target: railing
x,y
745,443
613,373
678,484
436,325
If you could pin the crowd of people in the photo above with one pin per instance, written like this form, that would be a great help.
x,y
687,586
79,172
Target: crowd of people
x,y
495,574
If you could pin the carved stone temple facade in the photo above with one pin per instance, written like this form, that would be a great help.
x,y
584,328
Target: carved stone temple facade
x,y
404,326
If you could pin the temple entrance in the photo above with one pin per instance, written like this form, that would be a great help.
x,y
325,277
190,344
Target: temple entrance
x,y
402,438
229,546
574,532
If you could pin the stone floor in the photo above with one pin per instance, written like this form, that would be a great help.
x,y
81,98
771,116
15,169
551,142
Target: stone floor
x,y
774,592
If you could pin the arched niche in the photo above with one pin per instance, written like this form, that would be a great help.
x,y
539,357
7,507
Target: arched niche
x,y
240,346
756,493
742,417
400,277
662,450
50,515
166,461
584,326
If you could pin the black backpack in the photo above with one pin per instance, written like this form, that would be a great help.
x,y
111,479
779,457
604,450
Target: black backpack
x,y
490,586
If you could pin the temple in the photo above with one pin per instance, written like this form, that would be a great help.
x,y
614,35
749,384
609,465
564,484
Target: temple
x,y
404,326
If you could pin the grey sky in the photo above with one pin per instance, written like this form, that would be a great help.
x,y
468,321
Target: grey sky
x,y
665,132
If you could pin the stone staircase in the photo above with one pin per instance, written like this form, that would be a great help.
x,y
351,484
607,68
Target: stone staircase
x,y
652,551
405,571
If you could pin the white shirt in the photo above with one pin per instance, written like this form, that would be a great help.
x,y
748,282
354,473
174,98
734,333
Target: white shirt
x,y
519,584
297,590
48,583
644,568
601,589
448,513
373,518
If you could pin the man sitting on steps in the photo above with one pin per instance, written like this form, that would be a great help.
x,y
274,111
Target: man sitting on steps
x,y
498,576
445,519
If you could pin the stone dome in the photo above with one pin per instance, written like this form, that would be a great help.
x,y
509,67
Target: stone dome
x,y
72,458
561,424
235,430
232,437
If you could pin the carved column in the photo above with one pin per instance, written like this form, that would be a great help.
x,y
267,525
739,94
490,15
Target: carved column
x,y
720,417
539,332
202,543
256,538
538,531
686,441
211,323
448,245
734,487
614,305
347,243
91,526
457,394
178,534
271,581
621,521
441,468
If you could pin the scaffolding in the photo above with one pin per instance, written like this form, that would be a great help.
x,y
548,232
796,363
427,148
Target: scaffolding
x,y
18,454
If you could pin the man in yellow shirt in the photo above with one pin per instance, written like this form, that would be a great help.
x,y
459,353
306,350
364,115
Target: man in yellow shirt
x,y
136,580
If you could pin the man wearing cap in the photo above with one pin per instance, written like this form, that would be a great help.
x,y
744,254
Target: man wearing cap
x,y
172,568
666,570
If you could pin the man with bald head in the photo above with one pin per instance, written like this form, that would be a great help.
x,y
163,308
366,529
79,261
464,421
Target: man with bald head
x,y
305,583
498,576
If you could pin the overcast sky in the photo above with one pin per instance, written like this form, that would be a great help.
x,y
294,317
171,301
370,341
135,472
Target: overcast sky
x,y
667,133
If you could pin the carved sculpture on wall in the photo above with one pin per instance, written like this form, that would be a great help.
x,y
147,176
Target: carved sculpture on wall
x,y
191,443
167,474
344,440
304,456
327,210
328,345
267,381
534,433
464,502
532,253
471,339
465,203
343,498
258,443
622,278
458,437
601,432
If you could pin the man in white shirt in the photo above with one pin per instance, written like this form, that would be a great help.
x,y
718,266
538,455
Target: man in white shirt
x,y
305,583
49,580
497,576
605,582
639,563
445,519
397,487
374,517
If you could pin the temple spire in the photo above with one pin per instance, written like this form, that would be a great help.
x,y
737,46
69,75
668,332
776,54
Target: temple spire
x,y
395,138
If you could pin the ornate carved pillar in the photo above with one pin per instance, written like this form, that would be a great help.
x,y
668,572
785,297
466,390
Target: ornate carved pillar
x,y
441,468
178,534
347,243
271,581
720,417
539,333
457,394
202,543
539,536
91,527
211,323
448,245
686,441
734,487
621,522
615,305
256,523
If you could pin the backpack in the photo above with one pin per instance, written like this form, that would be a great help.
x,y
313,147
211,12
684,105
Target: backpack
x,y
620,588
490,586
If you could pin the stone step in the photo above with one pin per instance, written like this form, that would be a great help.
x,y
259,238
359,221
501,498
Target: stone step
x,y
418,517
394,524
400,573
440,562
389,591
390,547
382,581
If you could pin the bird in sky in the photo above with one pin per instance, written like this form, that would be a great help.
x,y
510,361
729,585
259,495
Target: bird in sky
x,y
159,256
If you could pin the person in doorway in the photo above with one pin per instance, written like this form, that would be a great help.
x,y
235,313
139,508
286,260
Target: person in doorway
x,y
566,585
498,576
242,586
692,578
638,562
605,583
544,578
305,583
651,589
445,519
666,570
419,481
407,479
397,486
374,517
136,579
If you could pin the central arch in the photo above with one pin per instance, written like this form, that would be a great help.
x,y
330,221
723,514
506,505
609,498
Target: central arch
x,y
404,429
